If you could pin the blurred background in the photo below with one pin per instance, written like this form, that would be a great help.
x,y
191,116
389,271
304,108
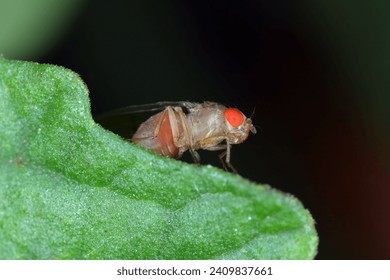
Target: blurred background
x,y
317,72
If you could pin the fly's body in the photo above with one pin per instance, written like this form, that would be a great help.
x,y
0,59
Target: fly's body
x,y
193,126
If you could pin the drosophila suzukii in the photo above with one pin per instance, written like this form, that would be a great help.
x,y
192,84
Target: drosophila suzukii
x,y
182,126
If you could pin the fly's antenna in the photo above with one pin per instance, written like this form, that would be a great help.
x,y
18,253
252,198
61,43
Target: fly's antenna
x,y
253,112
257,127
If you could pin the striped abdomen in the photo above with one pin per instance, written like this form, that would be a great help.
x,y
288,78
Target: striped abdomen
x,y
155,134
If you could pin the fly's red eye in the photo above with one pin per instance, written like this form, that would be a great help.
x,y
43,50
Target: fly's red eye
x,y
234,117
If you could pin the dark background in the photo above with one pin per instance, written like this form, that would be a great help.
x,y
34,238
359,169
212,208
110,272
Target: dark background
x,y
317,73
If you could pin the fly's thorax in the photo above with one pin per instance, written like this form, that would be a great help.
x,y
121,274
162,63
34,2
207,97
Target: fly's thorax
x,y
207,121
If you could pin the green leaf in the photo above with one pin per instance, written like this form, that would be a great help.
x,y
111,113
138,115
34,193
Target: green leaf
x,y
71,190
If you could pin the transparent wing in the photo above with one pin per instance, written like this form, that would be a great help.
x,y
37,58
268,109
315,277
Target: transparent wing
x,y
125,121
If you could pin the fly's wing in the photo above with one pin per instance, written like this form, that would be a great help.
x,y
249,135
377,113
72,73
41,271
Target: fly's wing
x,y
125,121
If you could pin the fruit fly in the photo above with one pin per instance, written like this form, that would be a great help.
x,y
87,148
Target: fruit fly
x,y
185,126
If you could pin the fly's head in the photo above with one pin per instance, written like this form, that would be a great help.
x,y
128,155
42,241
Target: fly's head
x,y
238,126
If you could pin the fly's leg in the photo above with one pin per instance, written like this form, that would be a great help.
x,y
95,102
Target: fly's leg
x,y
217,148
221,155
195,156
227,159
211,145
226,163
